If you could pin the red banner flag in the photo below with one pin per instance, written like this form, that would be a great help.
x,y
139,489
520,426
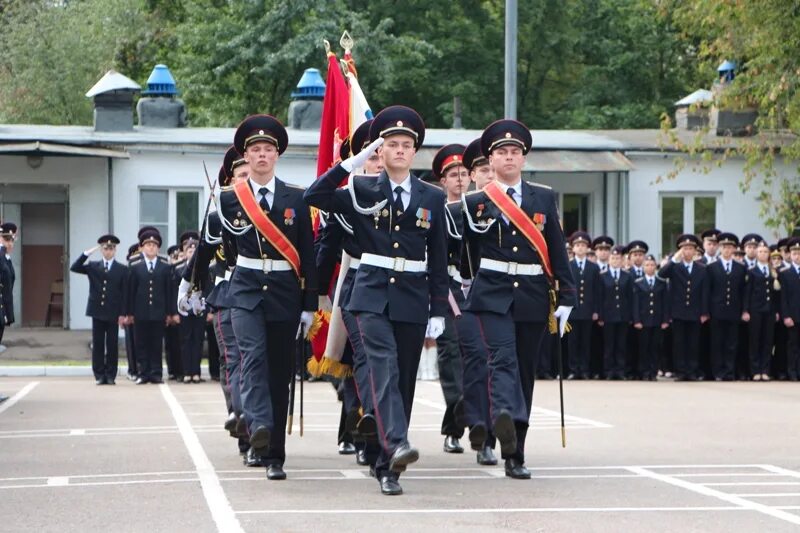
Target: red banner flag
x,y
335,127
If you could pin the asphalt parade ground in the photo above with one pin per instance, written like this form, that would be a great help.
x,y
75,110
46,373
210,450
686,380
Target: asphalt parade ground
x,y
640,456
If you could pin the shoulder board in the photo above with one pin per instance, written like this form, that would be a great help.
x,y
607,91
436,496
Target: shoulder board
x,y
542,185
373,176
476,191
294,186
226,188
784,269
163,260
431,185
135,261
453,203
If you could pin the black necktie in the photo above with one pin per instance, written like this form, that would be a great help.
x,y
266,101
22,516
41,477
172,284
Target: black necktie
x,y
510,192
764,270
398,199
651,283
727,268
615,275
580,267
105,266
263,202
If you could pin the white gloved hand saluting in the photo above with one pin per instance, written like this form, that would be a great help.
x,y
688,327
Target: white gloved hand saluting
x,y
562,314
358,160
306,319
183,297
435,327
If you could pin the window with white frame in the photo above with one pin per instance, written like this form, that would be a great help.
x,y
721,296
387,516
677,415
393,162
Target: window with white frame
x,y
686,213
172,211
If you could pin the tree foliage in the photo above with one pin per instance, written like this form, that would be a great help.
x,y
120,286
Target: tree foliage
x,y
582,63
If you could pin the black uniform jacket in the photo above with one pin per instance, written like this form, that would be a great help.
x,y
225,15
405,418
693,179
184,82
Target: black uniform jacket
x,y
688,293
150,294
417,233
650,306
616,297
761,294
107,290
588,289
7,278
726,290
283,294
526,296
790,294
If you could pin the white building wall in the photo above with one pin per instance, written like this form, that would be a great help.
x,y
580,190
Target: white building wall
x,y
736,212
87,212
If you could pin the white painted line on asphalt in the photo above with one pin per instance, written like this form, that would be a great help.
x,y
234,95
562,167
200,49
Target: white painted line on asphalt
x,y
713,493
495,510
354,474
76,432
757,483
103,484
781,471
90,476
730,474
569,418
217,501
57,481
6,405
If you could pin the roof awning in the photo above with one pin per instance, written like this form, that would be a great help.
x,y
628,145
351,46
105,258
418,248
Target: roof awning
x,y
577,161
44,148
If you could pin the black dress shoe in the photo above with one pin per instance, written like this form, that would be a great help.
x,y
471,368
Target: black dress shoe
x,y
451,445
3,398
477,436
347,448
486,457
241,427
570,377
361,458
516,470
110,381
230,424
390,486
403,456
252,459
505,432
101,381
157,381
368,427
141,381
275,473
260,437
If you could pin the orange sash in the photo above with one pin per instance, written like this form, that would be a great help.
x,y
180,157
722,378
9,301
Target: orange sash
x,y
265,226
518,217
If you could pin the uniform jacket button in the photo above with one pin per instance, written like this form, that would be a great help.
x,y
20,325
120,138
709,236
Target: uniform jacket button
x,y
516,284
391,280
264,287
396,245
514,249
397,228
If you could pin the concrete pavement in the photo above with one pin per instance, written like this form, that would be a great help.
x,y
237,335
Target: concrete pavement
x,y
640,457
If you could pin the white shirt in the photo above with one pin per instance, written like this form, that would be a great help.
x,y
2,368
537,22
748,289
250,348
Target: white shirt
x,y
710,258
796,268
762,267
651,280
603,266
405,194
750,262
637,271
107,264
688,266
726,265
581,263
614,272
270,190
517,195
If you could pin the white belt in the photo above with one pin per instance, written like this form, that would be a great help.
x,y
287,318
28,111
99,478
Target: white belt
x,y
354,263
398,264
220,279
454,273
513,269
265,265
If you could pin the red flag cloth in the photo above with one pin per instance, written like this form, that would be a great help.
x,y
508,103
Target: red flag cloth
x,y
335,127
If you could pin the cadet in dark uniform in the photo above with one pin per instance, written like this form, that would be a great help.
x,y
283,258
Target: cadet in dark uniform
x,y
149,304
710,245
688,304
398,222
172,331
449,169
130,343
602,248
760,311
8,235
476,369
650,317
336,243
509,293
727,280
789,279
108,285
635,251
778,363
586,312
615,314
273,289
193,318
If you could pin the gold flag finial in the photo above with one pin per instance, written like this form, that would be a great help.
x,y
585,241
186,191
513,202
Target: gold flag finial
x,y
346,41
327,46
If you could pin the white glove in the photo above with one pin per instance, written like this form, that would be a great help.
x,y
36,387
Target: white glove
x,y
358,160
435,327
465,285
306,319
562,314
183,300
197,303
